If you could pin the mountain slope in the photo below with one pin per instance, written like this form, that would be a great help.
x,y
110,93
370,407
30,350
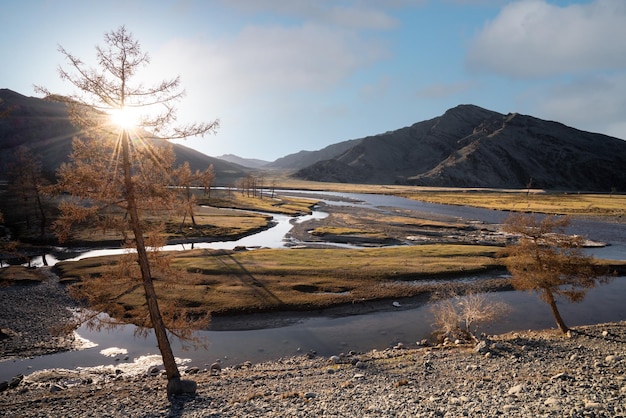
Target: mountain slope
x,y
305,158
44,127
244,162
473,147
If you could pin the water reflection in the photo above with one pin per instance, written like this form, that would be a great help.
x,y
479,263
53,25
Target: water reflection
x,y
328,336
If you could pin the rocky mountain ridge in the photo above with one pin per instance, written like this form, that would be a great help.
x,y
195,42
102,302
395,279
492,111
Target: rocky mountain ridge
x,y
469,146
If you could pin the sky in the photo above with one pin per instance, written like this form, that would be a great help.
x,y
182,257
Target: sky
x,y
289,75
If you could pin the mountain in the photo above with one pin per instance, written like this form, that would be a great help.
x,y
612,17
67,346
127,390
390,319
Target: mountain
x,y
244,162
305,158
45,128
469,146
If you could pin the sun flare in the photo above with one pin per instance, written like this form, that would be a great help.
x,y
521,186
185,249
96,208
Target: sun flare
x,y
125,118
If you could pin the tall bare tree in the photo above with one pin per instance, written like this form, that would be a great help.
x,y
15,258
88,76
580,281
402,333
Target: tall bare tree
x,y
546,260
118,167
206,179
186,180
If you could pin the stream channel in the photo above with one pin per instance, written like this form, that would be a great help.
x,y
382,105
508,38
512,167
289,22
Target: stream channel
x,y
407,322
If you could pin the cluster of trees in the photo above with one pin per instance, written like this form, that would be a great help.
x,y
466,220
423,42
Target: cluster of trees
x,y
253,186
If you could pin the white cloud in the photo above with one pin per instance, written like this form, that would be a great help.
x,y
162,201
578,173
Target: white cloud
x,y
595,104
261,59
532,38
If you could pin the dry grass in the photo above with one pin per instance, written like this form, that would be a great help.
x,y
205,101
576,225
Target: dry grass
x,y
278,279
539,202
19,274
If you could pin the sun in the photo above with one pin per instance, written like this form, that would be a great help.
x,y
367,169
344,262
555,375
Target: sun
x,y
125,117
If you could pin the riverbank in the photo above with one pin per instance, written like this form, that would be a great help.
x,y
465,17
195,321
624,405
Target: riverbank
x,y
531,373
34,317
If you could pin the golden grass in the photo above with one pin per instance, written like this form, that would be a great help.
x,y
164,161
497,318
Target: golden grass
x,y
12,274
277,279
551,203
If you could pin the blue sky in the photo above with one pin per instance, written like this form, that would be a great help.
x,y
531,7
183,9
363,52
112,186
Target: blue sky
x,y
290,75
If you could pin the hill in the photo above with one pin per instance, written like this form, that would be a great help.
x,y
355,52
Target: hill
x,y
44,127
244,162
469,146
305,158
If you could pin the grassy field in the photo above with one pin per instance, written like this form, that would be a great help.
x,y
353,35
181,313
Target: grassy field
x,y
538,201
226,282
223,218
549,203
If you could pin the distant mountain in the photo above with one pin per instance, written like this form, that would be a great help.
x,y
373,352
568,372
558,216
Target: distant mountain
x,y
469,146
244,162
44,127
305,158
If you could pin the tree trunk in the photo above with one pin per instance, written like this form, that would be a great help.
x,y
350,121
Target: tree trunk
x,y
42,213
555,311
169,362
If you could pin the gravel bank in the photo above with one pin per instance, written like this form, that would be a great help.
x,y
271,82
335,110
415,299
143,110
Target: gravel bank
x,y
32,317
523,374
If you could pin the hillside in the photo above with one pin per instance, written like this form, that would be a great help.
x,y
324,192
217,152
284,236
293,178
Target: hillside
x,y
244,162
44,127
305,158
469,146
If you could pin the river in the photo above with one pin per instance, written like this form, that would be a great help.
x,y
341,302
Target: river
x,y
328,335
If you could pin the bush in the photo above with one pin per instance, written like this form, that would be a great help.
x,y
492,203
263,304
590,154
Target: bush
x,y
460,316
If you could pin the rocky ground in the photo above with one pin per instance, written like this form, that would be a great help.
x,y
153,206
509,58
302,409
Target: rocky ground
x,y
526,374
32,317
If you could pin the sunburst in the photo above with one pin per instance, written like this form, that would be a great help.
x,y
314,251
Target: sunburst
x,y
125,117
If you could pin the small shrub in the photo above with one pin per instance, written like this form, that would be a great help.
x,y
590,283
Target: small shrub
x,y
460,316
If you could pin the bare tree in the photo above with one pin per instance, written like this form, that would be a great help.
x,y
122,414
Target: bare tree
x,y
118,166
185,179
207,177
546,260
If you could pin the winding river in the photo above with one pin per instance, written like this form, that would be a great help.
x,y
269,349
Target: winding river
x,y
407,322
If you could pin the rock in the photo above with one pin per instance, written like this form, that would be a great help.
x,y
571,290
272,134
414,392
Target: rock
x,y
193,370
177,386
215,368
56,388
16,381
612,358
396,304
4,386
335,359
360,365
482,347
561,376
593,405
310,395
517,389
551,402
153,371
